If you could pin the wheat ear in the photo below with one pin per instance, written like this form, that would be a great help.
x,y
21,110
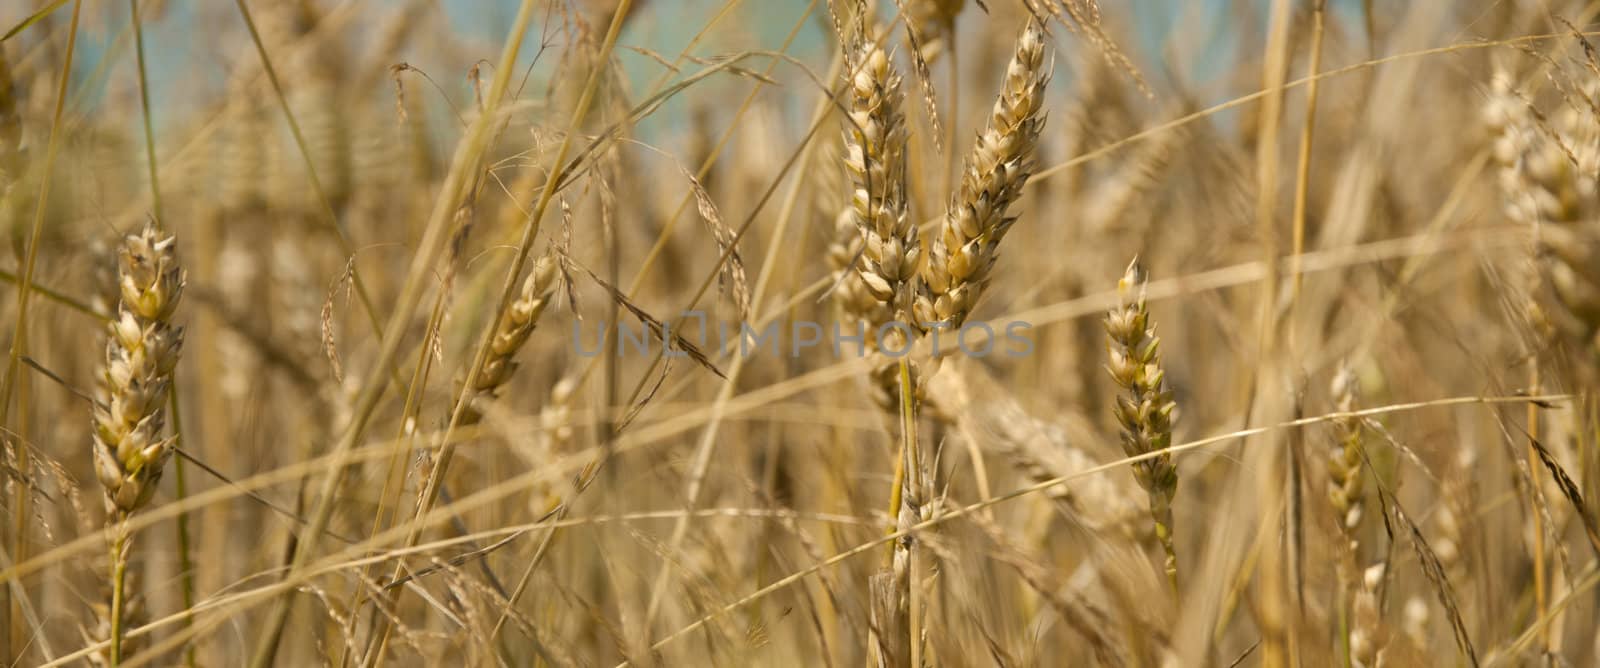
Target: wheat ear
x,y
521,317
875,159
1571,247
858,307
1144,411
959,260
1344,460
1550,178
885,281
1345,493
141,353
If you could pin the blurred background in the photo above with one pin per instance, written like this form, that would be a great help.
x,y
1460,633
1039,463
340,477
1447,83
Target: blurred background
x,y
1373,250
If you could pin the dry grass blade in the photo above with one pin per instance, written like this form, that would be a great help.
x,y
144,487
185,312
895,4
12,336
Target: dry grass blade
x,y
1569,488
1431,569
32,19
1046,484
1082,615
668,339
732,276
330,343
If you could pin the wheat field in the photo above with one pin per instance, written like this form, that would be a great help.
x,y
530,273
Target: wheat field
x,y
800,333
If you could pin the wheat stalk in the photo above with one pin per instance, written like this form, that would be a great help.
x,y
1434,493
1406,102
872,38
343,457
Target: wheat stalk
x,y
107,626
1145,410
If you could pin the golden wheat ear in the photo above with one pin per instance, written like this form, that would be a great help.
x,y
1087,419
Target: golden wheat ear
x,y
1345,492
516,325
1144,410
875,161
130,449
960,258
141,353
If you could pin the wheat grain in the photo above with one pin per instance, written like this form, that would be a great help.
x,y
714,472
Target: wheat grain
x,y
858,307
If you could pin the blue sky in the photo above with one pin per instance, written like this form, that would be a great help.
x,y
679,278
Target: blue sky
x,y
186,70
